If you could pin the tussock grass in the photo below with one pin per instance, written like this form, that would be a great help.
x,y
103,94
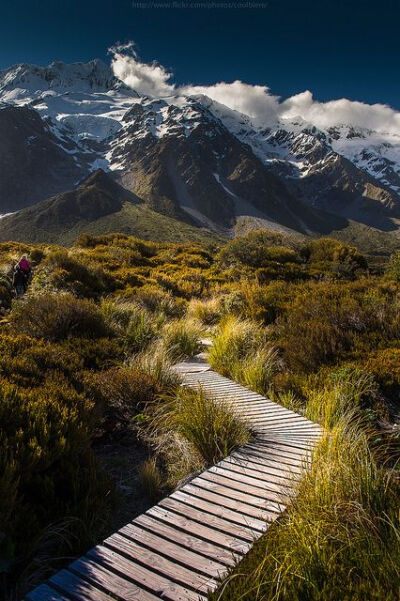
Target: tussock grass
x,y
240,351
344,392
235,340
207,311
340,538
212,427
257,370
131,323
151,480
180,339
190,431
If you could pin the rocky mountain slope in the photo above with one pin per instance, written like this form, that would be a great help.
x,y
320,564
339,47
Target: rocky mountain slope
x,y
189,158
98,205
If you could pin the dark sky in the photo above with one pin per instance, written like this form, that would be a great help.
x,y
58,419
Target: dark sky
x,y
335,48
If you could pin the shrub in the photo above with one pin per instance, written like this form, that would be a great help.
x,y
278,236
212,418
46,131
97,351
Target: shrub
x,y
384,364
27,362
329,255
265,303
36,256
6,292
156,299
393,268
57,317
47,470
257,249
319,326
65,272
121,394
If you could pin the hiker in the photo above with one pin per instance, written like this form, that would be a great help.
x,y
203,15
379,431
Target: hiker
x,y
22,275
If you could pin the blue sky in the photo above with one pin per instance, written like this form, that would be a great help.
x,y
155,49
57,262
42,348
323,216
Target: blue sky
x,y
335,48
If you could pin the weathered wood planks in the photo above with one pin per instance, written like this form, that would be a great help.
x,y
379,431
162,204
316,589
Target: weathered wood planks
x,y
181,548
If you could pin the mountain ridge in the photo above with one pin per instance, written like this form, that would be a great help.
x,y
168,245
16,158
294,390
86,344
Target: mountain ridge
x,y
188,157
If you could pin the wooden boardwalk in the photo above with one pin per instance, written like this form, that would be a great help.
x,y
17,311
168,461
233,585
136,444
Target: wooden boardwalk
x,y
180,549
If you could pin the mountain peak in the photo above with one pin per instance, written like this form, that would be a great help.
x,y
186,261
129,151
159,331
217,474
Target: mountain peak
x,y
24,79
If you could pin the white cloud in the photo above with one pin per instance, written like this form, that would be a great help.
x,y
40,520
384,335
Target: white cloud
x,y
150,79
256,101
378,117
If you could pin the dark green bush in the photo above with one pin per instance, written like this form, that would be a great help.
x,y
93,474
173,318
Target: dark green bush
x,y
68,273
57,317
120,394
47,470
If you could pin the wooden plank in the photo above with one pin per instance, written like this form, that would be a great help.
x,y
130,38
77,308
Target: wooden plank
x,y
137,553
221,511
237,394
172,550
294,439
287,423
295,464
78,589
232,493
134,575
207,382
204,491
284,419
188,541
115,585
254,414
246,474
253,492
213,521
45,593
265,466
280,426
295,448
269,410
208,534
267,445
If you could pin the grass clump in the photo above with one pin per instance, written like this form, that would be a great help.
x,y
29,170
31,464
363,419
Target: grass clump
x,y
235,340
240,351
339,538
346,390
134,325
207,312
191,431
151,480
180,339
211,427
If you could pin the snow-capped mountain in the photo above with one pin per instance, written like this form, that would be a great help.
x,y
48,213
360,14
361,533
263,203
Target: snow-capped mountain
x,y
188,156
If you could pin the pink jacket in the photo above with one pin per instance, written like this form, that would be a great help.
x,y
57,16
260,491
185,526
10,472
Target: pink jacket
x,y
25,265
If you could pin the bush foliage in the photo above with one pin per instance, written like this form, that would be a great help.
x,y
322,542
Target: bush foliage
x,y
85,357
